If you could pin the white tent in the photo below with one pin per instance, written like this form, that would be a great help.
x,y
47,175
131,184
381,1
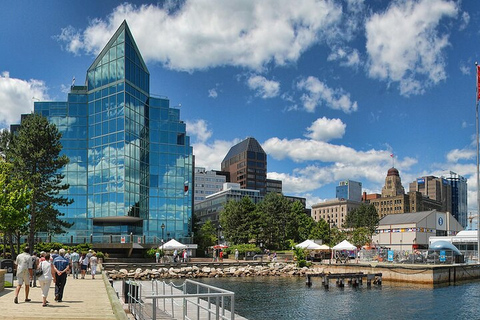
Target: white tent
x,y
310,245
345,245
172,245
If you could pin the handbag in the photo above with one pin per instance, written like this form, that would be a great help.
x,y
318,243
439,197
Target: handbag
x,y
39,270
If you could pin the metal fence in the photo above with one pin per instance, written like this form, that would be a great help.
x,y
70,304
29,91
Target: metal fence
x,y
416,257
190,300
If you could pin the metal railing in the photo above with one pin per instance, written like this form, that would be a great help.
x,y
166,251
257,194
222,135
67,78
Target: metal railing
x,y
190,300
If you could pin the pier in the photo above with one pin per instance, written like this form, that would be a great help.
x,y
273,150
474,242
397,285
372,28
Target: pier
x,y
353,279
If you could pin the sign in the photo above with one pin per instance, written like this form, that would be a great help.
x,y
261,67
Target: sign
x,y
421,180
442,256
390,255
139,239
122,239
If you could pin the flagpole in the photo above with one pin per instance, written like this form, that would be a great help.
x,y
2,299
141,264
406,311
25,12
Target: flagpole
x,y
477,71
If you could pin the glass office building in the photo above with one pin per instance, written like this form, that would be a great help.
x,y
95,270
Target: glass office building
x,y
131,163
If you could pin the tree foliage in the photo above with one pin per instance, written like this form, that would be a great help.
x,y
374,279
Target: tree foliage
x,y
206,236
365,216
34,150
14,200
271,222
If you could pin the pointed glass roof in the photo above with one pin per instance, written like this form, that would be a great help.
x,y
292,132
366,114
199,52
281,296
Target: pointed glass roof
x,y
122,35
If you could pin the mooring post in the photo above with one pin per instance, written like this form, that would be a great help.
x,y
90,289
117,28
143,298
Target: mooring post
x,y
309,281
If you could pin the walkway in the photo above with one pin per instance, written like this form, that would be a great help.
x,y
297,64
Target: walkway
x,y
82,299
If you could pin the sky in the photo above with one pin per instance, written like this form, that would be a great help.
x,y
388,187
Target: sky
x,y
330,89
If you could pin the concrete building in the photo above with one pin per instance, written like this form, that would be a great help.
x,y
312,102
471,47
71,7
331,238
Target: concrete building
x,y
394,200
247,164
207,183
438,189
334,211
131,162
210,208
409,231
350,190
274,186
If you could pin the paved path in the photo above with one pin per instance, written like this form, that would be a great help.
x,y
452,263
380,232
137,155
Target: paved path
x,y
82,299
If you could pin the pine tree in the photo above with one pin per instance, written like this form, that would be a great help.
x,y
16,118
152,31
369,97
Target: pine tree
x,y
34,152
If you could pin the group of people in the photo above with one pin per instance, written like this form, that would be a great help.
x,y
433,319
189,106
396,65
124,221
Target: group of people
x,y
51,266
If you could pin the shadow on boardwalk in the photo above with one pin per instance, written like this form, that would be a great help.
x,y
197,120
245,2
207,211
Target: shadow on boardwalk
x,y
82,299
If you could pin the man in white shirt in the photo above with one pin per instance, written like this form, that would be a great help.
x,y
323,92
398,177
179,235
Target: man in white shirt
x,y
24,264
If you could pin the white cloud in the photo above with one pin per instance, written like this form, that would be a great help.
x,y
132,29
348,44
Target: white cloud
x,y
210,155
212,93
203,34
465,19
324,129
199,129
348,57
263,87
460,154
17,97
405,45
318,92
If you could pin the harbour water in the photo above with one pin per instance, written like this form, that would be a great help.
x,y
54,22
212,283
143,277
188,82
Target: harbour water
x,y
263,298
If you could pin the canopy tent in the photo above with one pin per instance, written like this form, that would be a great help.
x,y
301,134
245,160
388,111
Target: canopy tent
x,y
343,257
344,245
172,245
311,245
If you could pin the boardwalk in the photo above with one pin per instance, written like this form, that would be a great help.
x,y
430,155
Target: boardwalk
x,y
82,299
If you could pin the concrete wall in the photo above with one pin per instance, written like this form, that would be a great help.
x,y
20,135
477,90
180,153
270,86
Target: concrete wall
x,y
421,274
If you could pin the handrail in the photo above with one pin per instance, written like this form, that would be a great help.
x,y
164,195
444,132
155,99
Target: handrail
x,y
213,302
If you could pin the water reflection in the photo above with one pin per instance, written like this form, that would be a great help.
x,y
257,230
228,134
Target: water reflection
x,y
289,298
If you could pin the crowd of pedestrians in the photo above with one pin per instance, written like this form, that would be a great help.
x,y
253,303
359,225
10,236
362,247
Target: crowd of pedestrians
x,y
51,266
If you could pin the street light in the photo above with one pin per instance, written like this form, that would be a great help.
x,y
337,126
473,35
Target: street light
x,y
163,229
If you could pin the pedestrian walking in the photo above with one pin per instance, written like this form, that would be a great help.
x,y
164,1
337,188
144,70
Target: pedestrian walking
x,y
236,255
61,266
24,273
75,258
93,264
35,260
46,278
83,264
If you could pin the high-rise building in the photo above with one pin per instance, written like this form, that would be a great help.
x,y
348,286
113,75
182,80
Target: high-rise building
x,y
459,198
350,190
247,164
131,163
207,182
435,188
394,200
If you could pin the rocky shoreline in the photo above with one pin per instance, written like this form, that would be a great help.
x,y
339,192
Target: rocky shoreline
x,y
273,269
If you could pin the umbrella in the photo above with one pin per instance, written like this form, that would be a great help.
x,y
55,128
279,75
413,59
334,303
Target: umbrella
x,y
220,246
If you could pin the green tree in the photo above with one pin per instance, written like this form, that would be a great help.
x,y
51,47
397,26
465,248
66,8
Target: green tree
x,y
236,219
206,236
14,200
34,152
320,230
275,212
360,236
365,216
299,225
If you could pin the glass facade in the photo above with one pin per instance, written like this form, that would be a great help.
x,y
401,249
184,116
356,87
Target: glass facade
x,y
131,162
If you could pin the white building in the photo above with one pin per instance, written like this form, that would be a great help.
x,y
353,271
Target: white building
x,y
409,231
207,183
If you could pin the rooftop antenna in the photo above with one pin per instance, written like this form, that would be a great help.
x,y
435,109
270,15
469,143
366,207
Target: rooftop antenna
x,y
73,81
393,160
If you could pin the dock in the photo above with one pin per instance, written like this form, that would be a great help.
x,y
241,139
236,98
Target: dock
x,y
352,279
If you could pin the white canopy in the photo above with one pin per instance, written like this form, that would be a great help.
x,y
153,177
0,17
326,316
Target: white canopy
x,y
344,245
172,245
310,245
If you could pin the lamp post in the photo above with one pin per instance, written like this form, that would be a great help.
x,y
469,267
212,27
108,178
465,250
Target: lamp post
x,y
163,230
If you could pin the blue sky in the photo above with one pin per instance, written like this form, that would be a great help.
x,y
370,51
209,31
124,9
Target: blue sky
x,y
329,88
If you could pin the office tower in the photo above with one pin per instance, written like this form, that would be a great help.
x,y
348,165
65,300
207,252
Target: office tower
x,y
131,163
459,198
349,190
247,164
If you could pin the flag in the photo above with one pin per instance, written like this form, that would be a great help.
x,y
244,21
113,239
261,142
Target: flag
x,y
391,155
478,83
